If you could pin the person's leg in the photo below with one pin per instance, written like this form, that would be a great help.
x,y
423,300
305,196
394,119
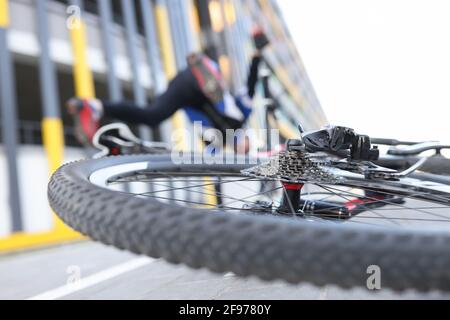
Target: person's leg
x,y
182,91
129,112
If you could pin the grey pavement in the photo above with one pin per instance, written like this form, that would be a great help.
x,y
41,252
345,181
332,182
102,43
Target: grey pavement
x,y
28,274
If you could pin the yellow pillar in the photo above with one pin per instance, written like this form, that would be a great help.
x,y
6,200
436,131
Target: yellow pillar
x,y
4,14
84,81
84,88
53,140
165,40
167,50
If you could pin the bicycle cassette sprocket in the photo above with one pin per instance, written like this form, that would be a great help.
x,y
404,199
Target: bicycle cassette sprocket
x,y
293,167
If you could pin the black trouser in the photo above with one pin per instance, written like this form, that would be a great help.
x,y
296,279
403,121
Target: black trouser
x,y
182,91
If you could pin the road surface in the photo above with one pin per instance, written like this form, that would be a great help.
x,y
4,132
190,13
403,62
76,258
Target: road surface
x,y
95,271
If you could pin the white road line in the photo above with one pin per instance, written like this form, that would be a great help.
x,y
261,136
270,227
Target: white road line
x,y
323,294
93,279
229,275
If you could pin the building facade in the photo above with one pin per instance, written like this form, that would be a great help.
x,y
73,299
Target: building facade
x,y
53,50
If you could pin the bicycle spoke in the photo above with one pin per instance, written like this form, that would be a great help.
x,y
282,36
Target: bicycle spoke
x,y
368,209
391,203
234,199
231,181
205,193
249,194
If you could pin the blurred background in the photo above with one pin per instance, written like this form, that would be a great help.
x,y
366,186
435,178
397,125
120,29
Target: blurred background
x,y
381,67
53,50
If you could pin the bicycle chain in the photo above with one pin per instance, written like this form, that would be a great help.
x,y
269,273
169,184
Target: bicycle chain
x,y
293,167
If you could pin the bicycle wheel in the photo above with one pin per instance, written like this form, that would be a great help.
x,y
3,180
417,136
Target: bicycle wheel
x,y
400,226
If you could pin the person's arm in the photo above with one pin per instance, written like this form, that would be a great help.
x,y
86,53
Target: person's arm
x,y
253,75
261,41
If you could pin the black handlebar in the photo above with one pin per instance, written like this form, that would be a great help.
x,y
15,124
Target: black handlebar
x,y
392,142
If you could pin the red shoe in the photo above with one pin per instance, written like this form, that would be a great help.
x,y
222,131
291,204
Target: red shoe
x,y
87,114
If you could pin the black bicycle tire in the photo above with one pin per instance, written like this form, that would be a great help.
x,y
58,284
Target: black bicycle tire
x,y
263,246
